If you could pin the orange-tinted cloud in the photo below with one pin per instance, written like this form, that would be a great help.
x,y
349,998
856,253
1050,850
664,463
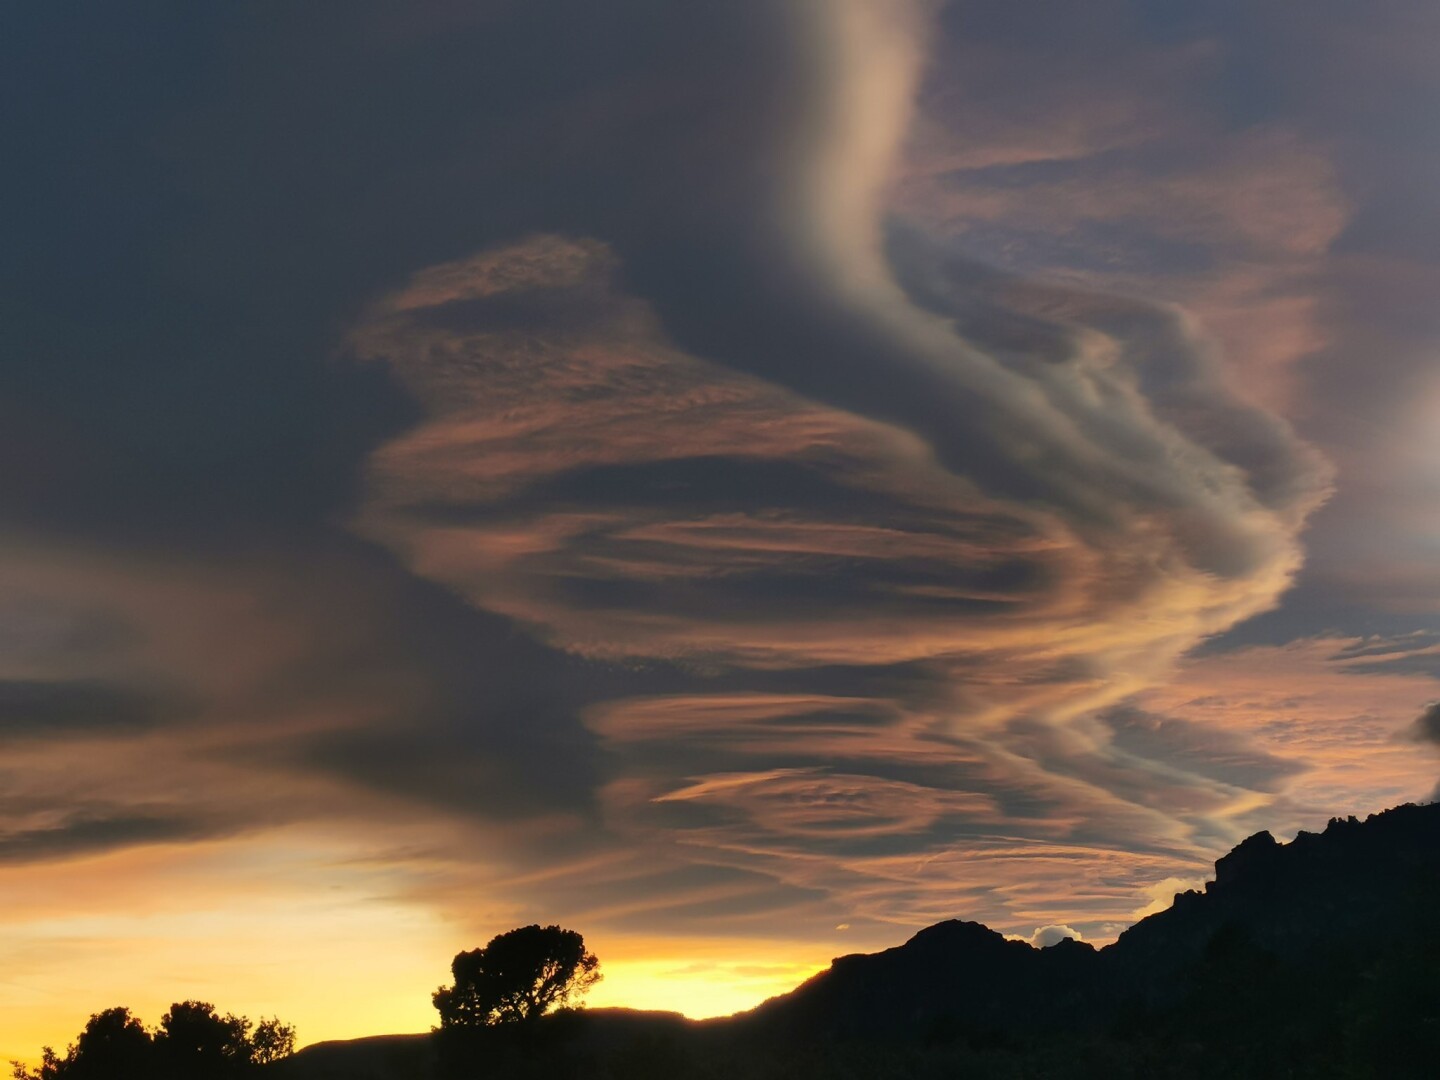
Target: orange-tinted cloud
x,y
631,502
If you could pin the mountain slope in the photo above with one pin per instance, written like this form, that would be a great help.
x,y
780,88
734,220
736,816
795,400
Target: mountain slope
x,y
1354,890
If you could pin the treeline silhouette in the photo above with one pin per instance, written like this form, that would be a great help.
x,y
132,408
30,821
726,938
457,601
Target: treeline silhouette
x,y
192,1042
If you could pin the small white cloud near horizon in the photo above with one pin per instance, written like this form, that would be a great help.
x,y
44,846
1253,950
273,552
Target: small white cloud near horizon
x,y
1162,894
1045,936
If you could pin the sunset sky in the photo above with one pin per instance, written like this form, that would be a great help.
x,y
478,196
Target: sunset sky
x,y
744,480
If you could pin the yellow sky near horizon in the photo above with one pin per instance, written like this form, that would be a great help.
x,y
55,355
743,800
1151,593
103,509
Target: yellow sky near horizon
x,y
149,926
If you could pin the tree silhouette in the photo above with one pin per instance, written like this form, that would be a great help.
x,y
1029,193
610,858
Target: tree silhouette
x,y
272,1041
194,1040
516,978
113,1046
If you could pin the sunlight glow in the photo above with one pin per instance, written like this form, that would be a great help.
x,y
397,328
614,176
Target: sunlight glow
x,y
714,978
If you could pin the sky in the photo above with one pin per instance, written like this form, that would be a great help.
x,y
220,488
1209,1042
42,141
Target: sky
x,y
743,480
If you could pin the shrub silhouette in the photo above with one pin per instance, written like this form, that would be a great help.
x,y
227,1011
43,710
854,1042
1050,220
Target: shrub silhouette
x,y
517,978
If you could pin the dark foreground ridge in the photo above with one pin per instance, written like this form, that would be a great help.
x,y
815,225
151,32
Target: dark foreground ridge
x,y
1317,958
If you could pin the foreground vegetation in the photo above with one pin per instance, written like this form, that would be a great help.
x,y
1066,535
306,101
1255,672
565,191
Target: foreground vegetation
x,y
192,1042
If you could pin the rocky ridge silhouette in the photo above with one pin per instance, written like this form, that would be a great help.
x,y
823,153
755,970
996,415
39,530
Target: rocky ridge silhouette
x,y
1347,889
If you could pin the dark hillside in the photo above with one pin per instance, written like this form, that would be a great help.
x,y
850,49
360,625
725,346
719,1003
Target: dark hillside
x,y
1316,958
951,977
1349,892
379,1057
1356,884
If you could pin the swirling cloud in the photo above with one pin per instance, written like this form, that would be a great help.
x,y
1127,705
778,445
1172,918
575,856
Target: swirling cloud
x,y
631,502
626,498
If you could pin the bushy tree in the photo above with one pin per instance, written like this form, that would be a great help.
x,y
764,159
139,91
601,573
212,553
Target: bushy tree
x,y
193,1042
271,1041
113,1046
517,978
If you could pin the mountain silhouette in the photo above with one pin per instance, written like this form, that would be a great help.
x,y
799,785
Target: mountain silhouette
x,y
1313,958
1358,887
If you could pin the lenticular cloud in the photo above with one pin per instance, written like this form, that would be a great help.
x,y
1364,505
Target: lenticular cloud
x,y
895,529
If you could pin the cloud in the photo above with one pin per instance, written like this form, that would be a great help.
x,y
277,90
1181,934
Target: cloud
x,y
742,434
600,453
641,458
1330,705
814,804
1163,893
631,502
90,832
1045,936
46,709
1427,725
1294,243
637,476
1224,755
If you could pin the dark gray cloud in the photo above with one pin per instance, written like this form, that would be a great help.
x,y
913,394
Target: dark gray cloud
x,y
1408,661
33,708
1032,326
1427,724
1384,648
216,191
209,197
91,832
1214,753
